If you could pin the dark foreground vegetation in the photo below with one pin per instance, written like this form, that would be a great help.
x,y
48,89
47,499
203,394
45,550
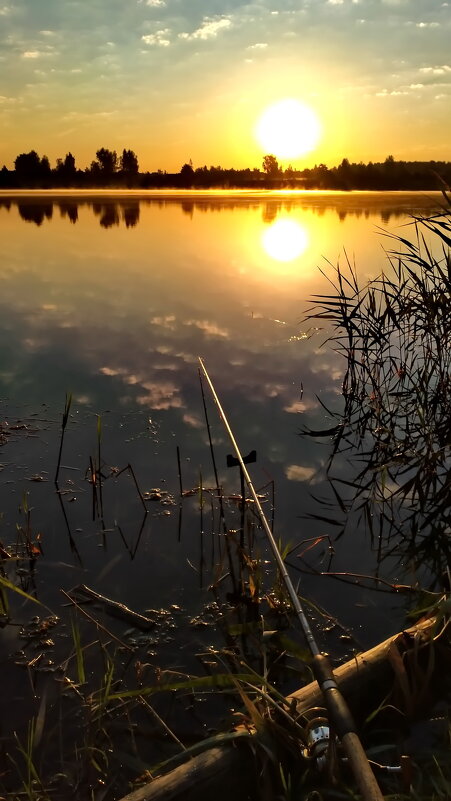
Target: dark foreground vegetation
x,y
101,708
110,170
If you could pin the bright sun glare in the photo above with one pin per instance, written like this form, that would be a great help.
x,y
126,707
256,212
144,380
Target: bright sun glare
x,y
288,129
285,240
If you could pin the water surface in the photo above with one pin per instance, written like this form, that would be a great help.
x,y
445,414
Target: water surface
x,y
113,298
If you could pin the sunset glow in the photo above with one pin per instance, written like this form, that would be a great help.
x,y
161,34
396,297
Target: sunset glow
x,y
288,129
177,82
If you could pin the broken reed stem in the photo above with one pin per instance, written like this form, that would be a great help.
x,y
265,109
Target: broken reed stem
x,y
137,487
160,720
180,472
67,405
99,473
212,451
218,488
95,505
96,622
133,475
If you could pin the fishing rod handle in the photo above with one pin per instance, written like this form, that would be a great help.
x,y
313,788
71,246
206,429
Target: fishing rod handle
x,y
361,768
342,722
339,714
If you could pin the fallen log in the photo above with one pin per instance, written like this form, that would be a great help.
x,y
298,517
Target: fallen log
x,y
402,671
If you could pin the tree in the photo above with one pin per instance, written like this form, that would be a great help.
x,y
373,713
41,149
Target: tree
x,y
271,166
30,169
69,163
129,162
187,174
65,170
27,165
107,161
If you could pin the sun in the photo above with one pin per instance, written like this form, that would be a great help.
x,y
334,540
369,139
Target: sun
x,y
288,129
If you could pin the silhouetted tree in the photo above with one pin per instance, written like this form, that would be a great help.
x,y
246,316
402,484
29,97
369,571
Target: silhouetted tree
x,y
129,162
271,166
187,175
66,172
107,161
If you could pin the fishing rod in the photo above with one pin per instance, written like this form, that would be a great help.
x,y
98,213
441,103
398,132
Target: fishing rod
x,y
338,711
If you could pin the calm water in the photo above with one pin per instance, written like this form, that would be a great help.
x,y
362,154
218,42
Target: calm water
x,y
113,298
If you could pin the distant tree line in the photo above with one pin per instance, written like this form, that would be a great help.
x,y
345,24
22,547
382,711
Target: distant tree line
x,y
122,171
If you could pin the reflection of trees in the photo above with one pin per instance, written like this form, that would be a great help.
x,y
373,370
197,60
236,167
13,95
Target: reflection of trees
x,y
130,213
109,215
127,210
270,212
187,207
69,210
35,212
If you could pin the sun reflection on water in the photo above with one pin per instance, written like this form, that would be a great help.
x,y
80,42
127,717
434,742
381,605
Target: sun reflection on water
x,y
285,240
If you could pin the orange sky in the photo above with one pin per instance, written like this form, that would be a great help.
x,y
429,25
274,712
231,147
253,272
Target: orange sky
x,y
177,81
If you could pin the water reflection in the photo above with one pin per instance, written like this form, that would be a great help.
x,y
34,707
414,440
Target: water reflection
x,y
119,317
35,212
112,211
285,240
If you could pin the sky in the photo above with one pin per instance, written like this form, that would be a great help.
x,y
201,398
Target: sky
x,y
176,80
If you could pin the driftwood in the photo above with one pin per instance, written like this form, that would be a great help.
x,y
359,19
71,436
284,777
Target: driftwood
x,y
114,608
403,669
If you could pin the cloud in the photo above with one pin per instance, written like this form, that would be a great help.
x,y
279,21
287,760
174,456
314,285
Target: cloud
x,y
258,46
155,3
427,24
443,70
159,38
209,28
9,100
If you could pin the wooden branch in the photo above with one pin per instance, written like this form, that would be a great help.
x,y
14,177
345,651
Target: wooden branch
x,y
115,608
388,669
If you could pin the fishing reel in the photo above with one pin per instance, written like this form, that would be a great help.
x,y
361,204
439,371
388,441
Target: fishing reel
x,y
317,741
315,725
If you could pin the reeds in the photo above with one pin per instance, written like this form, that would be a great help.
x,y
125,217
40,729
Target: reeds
x,y
394,425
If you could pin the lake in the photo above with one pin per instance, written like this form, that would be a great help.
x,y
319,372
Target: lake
x,y
112,298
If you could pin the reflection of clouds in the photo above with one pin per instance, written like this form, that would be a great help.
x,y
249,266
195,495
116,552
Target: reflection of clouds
x,y
193,421
296,472
209,328
272,390
168,321
160,395
170,350
301,406
172,367
110,371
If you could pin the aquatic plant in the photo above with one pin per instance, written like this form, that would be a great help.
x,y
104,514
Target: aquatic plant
x,y
393,427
